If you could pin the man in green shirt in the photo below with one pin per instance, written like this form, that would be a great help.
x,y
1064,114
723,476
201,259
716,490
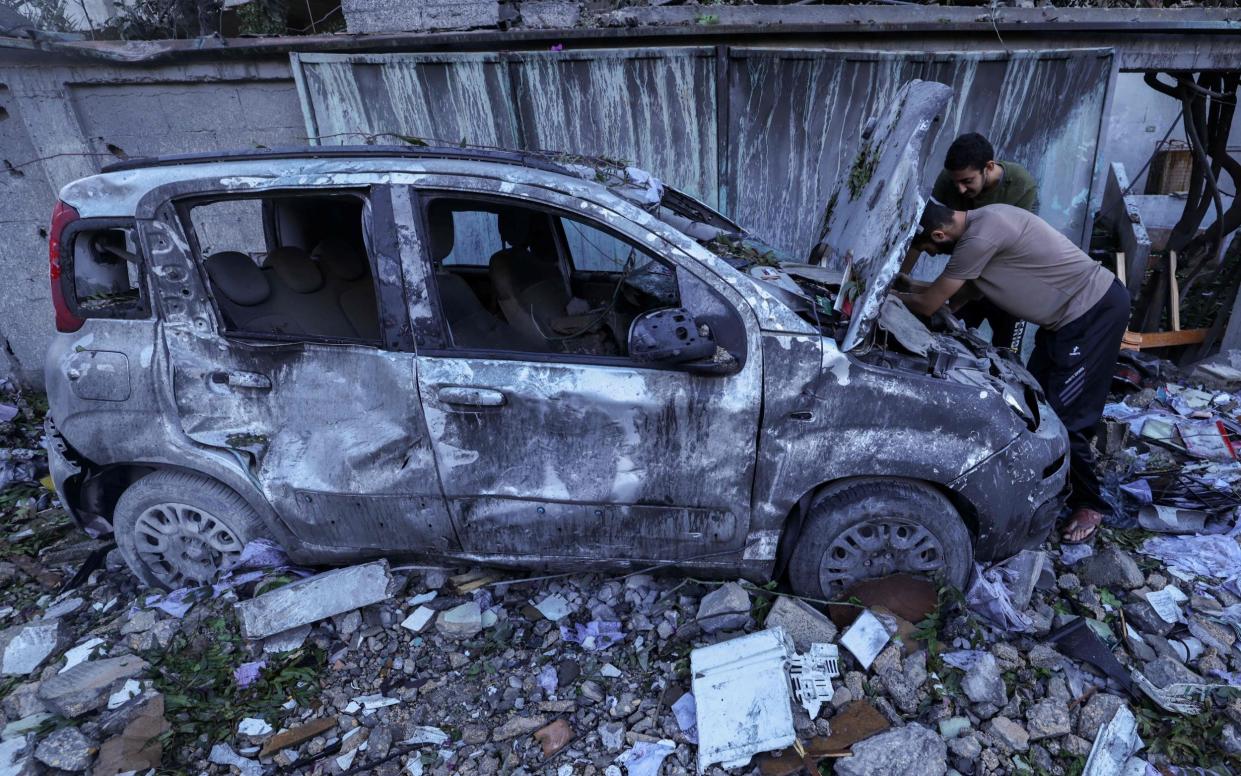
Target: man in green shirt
x,y
971,179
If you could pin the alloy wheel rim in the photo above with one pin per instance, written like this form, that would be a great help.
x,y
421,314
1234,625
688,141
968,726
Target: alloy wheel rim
x,y
879,547
181,544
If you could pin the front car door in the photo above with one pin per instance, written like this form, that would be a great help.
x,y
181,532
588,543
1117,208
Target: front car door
x,y
552,444
289,349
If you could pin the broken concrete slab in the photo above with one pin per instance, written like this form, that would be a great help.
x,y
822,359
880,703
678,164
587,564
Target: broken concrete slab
x,y
315,598
1112,567
910,749
24,648
518,726
725,608
87,686
804,624
983,682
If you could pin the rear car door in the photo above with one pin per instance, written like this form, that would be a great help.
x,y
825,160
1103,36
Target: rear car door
x,y
288,346
551,441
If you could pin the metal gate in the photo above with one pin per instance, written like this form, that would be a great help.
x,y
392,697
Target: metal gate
x,y
760,133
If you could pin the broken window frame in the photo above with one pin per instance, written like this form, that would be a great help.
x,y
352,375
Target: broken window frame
x,y
130,310
366,194
422,199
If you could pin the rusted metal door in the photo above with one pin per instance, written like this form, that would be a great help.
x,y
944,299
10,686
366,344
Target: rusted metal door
x,y
760,133
331,433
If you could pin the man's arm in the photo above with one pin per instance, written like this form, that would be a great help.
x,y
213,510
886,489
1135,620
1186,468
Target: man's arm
x,y
930,299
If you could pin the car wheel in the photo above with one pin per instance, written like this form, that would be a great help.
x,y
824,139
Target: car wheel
x,y
875,528
176,529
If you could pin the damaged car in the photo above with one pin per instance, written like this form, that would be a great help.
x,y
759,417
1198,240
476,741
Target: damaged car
x,y
525,360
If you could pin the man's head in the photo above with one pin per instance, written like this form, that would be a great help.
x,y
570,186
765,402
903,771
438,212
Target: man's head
x,y
938,229
971,163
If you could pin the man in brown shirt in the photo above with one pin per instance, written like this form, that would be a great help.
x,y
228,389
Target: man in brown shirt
x,y
973,178
1020,263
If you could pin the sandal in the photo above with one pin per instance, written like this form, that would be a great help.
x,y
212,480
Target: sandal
x,y
1083,518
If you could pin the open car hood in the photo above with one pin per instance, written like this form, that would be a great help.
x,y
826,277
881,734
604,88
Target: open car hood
x,y
874,208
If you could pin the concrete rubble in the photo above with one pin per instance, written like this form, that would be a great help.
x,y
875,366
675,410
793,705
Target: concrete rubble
x,y
395,670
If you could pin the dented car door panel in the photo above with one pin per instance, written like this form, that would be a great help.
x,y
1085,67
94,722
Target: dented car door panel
x,y
332,433
557,457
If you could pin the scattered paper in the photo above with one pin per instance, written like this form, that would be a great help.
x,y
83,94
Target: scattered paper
x,y
1165,603
646,757
686,713
253,726
593,636
554,607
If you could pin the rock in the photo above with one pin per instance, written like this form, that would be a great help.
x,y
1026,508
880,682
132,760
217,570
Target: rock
x,y
802,622
554,737
1213,634
24,648
379,743
348,623
23,701
1111,568
86,686
1048,719
1043,656
953,727
912,750
983,682
460,622
141,621
67,749
315,598
518,726
1097,712
725,608
1141,615
1164,671
1230,739
223,754
1010,736
138,746
612,735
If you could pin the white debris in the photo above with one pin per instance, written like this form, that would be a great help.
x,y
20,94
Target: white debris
x,y
424,734
23,648
63,608
80,653
1114,746
421,598
418,620
1166,603
131,689
223,754
865,638
554,607
742,698
812,674
253,726
370,702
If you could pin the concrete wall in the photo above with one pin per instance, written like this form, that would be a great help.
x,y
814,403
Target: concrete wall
x,y
64,121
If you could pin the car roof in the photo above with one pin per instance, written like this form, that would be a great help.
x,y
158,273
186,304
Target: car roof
x,y
535,160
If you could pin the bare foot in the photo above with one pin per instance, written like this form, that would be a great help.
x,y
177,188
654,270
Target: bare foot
x,y
1082,526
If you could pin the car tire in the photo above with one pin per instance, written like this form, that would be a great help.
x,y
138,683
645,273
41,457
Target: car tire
x,y
177,529
873,528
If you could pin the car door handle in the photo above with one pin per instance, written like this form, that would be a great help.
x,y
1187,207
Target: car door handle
x,y
239,379
471,397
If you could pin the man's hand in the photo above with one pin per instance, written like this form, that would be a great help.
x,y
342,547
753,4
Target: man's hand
x,y
904,282
931,298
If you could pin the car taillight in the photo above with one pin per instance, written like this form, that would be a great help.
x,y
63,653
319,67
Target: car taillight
x,y
62,216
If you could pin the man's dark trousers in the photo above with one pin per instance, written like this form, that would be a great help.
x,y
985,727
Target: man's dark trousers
x,y
1074,364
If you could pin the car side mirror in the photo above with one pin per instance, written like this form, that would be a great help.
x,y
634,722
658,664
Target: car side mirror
x,y
671,336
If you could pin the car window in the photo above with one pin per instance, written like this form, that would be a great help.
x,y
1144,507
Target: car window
x,y
288,265
536,295
106,273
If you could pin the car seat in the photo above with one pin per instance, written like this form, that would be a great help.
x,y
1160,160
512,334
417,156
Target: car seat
x,y
357,291
243,294
302,291
529,287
